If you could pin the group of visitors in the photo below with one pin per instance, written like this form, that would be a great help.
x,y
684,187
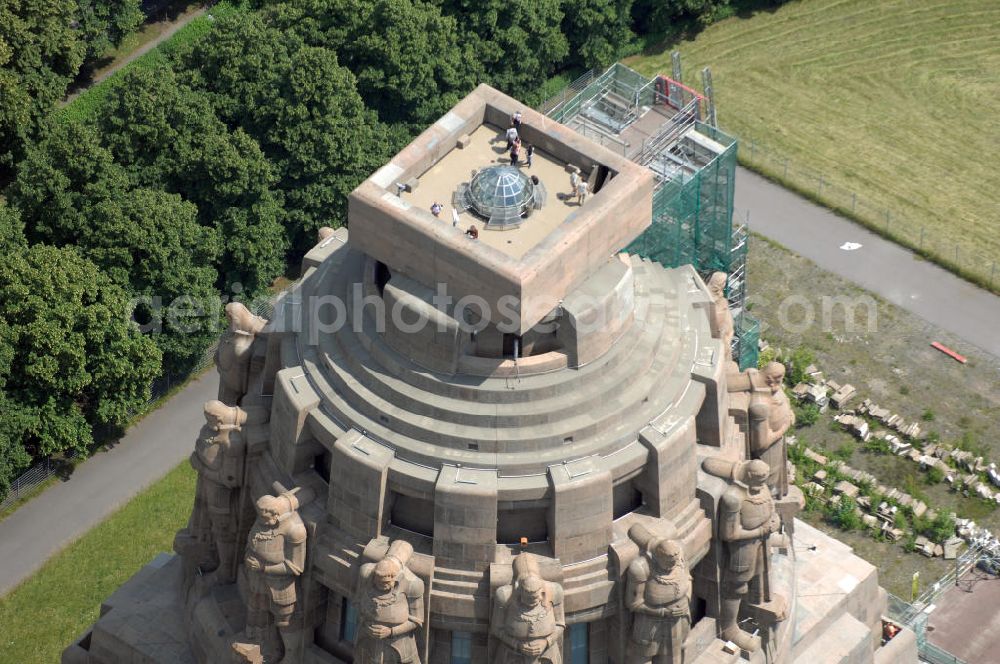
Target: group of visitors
x,y
514,142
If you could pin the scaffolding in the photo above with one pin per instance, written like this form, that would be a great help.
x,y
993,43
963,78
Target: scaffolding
x,y
658,123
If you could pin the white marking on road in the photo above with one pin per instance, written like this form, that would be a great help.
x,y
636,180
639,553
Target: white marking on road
x,y
850,246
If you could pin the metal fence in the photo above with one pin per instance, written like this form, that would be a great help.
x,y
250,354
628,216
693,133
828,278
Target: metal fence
x,y
949,249
46,468
914,615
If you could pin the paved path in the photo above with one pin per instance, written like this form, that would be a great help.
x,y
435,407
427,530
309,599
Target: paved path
x,y
880,266
176,25
67,510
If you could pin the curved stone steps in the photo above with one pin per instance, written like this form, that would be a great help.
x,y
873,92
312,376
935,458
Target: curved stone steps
x,y
472,389
580,420
352,362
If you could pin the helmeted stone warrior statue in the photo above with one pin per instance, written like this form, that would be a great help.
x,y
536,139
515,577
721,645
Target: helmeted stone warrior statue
x,y
218,457
658,594
390,601
746,520
768,438
233,355
528,618
722,318
275,557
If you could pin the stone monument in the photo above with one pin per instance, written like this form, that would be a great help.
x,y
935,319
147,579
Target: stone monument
x,y
658,595
390,601
528,618
527,447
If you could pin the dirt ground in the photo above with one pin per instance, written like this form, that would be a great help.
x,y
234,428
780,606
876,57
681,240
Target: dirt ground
x,y
885,352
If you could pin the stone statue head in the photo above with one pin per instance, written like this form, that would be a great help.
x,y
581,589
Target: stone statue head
x,y
386,572
269,510
241,320
531,590
666,553
774,375
717,284
755,473
218,415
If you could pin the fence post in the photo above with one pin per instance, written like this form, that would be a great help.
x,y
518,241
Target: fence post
x,y
887,220
921,238
993,273
956,254
854,200
819,192
786,169
752,148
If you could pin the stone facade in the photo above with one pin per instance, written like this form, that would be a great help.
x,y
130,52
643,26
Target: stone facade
x,y
572,487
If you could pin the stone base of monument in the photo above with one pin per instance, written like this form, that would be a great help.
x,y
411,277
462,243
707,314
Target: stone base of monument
x,y
835,617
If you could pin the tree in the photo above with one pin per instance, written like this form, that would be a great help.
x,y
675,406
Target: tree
x,y
103,23
597,30
60,178
169,137
11,230
323,139
239,66
40,53
151,243
659,15
301,106
69,357
412,69
520,43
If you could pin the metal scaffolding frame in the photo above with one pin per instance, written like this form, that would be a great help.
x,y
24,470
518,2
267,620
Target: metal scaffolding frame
x,y
662,124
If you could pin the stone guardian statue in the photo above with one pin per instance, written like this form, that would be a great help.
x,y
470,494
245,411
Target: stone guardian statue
x,y
275,557
209,541
746,520
232,358
390,601
658,594
722,318
528,618
769,426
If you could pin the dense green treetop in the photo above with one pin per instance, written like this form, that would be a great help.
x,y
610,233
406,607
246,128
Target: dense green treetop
x,y
597,30
169,137
11,230
69,356
43,44
518,42
413,67
104,23
61,177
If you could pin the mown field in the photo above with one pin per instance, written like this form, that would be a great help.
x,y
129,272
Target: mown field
x,y
895,101
53,607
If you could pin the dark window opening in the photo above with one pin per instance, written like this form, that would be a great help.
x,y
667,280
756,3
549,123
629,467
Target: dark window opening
x,y
602,176
461,648
321,464
579,643
382,276
626,498
531,523
413,514
699,610
348,621
511,346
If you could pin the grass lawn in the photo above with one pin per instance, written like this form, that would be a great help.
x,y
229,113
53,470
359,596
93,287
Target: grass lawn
x,y
87,106
895,100
45,613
